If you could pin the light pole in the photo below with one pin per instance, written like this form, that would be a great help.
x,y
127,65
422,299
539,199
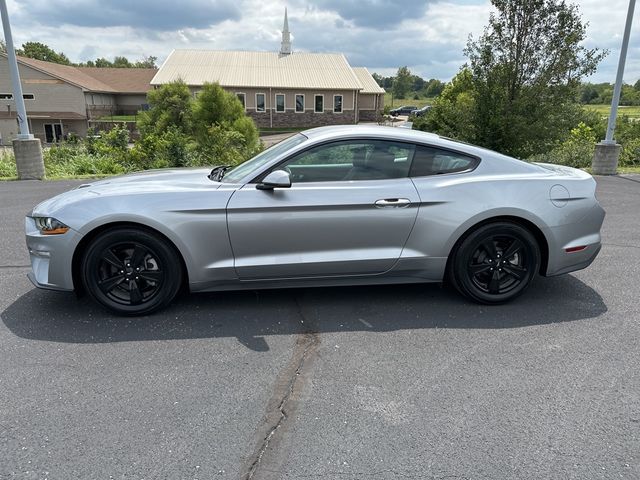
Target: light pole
x,y
605,159
26,148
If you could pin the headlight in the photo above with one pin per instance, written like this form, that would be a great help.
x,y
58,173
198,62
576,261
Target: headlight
x,y
50,226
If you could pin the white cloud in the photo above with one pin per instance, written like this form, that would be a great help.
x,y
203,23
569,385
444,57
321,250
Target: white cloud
x,y
429,39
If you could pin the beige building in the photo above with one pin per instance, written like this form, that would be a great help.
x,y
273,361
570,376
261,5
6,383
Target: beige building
x,y
62,99
282,89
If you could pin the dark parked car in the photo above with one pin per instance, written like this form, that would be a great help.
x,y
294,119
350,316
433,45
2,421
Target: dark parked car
x,y
404,110
418,112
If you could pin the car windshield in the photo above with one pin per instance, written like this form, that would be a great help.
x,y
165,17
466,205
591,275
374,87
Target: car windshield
x,y
244,169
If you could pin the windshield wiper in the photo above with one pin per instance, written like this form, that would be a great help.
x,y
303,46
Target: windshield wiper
x,y
218,172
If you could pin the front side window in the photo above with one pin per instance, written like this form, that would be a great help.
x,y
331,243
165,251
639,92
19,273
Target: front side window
x,y
279,102
319,104
241,97
434,161
256,163
351,160
337,104
260,102
299,103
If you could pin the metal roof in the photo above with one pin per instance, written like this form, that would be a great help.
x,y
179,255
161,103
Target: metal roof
x,y
369,85
329,71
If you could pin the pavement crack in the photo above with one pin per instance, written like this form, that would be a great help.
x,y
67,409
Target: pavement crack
x,y
289,383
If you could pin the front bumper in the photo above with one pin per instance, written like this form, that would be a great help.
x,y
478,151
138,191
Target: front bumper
x,y
51,257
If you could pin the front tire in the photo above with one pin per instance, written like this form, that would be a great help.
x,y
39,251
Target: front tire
x,y
495,263
131,271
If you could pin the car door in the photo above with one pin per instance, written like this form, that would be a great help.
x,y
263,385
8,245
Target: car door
x,y
349,211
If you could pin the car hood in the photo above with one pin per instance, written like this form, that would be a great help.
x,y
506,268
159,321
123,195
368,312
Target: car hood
x,y
151,181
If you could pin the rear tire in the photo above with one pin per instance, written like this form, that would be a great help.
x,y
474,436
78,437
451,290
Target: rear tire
x,y
495,263
131,271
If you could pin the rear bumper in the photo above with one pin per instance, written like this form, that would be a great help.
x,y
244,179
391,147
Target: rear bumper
x,y
586,258
585,233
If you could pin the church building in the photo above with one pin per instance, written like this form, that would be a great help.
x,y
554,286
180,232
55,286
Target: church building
x,y
285,88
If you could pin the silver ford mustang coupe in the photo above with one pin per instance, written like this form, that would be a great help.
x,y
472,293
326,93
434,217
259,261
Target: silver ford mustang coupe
x,y
340,205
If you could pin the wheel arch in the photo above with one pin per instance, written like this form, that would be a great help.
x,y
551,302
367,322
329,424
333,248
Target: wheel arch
x,y
96,231
536,231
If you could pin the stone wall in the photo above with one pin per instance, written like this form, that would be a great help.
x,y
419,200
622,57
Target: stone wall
x,y
369,115
290,119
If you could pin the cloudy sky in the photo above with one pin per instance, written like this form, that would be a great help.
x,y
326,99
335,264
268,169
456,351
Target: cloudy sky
x,y
427,35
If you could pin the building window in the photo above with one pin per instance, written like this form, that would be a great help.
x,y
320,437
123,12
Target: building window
x,y
241,97
300,103
337,104
319,104
279,102
9,96
260,107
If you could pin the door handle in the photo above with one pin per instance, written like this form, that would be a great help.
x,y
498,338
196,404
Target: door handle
x,y
393,203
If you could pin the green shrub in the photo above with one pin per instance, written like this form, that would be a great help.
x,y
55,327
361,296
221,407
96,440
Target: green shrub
x,y
116,139
68,160
630,155
576,151
7,164
171,148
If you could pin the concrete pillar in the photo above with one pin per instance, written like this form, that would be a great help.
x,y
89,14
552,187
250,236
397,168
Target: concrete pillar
x,y
605,158
29,161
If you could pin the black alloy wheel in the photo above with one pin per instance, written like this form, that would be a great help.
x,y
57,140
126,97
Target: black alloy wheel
x,y
131,271
495,263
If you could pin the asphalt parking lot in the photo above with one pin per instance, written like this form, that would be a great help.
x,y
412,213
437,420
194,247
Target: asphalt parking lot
x,y
385,382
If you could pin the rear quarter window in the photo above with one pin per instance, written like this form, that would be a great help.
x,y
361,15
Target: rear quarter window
x,y
435,161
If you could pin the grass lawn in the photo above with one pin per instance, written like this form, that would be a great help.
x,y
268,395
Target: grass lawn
x,y
632,112
119,118
406,101
628,169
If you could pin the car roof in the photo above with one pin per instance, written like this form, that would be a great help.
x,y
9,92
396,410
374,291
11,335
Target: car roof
x,y
341,132
391,133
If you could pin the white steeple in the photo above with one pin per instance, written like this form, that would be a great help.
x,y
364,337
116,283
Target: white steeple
x,y
285,46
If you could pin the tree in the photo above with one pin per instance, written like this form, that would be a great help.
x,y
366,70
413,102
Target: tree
x,y
40,51
146,62
434,88
121,62
220,125
3,47
526,68
171,106
212,129
102,62
452,113
403,82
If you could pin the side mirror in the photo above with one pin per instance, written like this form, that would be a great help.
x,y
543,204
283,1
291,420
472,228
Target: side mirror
x,y
276,179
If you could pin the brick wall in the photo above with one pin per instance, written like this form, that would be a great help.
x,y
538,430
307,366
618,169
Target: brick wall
x,y
290,118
